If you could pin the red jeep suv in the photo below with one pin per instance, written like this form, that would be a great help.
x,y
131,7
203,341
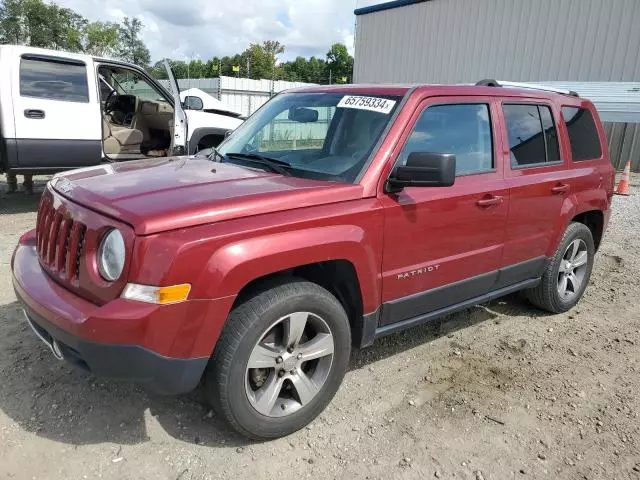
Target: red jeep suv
x,y
331,217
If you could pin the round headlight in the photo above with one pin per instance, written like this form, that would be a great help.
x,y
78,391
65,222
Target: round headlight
x,y
111,255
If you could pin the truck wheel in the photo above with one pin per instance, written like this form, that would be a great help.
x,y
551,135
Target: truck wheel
x,y
567,273
280,359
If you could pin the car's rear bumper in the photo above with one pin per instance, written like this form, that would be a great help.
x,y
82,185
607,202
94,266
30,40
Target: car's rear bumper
x,y
158,346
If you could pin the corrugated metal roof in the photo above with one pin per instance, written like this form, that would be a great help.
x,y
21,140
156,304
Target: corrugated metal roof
x,y
615,101
385,6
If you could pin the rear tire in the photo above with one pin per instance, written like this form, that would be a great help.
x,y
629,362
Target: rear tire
x,y
297,337
568,271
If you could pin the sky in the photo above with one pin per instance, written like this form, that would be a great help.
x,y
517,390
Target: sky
x,y
205,28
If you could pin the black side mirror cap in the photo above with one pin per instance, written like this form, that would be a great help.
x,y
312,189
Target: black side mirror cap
x,y
423,169
192,103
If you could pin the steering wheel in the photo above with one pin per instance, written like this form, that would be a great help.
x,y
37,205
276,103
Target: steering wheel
x,y
110,102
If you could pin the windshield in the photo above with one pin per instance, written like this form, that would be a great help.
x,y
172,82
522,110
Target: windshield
x,y
324,136
131,83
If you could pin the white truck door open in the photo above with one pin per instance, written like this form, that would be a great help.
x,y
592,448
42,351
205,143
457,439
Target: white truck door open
x,y
56,111
179,135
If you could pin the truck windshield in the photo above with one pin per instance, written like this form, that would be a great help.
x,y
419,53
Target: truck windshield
x,y
323,136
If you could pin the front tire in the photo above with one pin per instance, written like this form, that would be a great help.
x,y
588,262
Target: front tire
x,y
280,359
568,272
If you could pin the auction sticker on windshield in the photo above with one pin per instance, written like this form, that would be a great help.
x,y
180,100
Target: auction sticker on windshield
x,y
375,104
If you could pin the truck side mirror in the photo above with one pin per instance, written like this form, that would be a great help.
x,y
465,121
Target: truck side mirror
x,y
192,103
423,169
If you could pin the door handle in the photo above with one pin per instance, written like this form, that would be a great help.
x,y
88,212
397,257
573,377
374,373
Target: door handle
x,y
36,114
489,201
560,189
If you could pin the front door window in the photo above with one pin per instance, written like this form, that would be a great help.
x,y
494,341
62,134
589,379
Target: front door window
x,y
463,129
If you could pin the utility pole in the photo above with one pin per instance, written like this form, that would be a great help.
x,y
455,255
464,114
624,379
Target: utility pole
x,y
330,73
248,67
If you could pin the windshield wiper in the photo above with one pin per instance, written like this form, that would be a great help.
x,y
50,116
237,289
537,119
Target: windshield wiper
x,y
278,166
214,154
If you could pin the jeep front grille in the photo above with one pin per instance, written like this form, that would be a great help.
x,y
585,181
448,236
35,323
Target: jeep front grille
x,y
59,240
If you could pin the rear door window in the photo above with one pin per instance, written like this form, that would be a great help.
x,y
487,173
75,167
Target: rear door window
x,y
533,137
54,80
583,134
550,134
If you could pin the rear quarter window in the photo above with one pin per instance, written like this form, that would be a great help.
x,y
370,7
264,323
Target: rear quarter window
x,y
583,134
54,80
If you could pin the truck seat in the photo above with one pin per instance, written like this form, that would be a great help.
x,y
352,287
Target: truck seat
x,y
118,139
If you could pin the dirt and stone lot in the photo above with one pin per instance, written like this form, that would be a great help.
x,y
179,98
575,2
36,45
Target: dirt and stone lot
x,y
499,391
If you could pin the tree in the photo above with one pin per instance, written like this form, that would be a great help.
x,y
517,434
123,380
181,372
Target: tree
x,y
259,61
37,23
179,68
67,30
339,62
228,63
12,22
101,39
212,68
158,70
34,23
40,24
317,71
196,69
132,49
254,62
272,48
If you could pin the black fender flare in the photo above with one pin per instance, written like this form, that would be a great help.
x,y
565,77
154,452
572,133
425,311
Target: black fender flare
x,y
199,133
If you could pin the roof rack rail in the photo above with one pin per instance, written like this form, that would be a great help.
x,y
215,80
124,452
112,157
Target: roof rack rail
x,y
501,83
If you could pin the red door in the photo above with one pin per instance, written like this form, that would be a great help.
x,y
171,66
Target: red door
x,y
537,177
444,245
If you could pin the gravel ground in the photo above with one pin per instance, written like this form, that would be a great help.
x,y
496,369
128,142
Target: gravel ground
x,y
499,391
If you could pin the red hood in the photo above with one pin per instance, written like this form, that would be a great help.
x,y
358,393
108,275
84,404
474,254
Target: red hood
x,y
170,193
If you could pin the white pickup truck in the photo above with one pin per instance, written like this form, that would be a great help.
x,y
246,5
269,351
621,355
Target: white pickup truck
x,y
61,110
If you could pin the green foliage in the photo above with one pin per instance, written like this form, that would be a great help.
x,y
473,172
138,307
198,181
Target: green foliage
x,y
158,71
101,39
39,28
213,67
43,25
131,48
259,61
339,62
11,22
38,24
46,25
337,66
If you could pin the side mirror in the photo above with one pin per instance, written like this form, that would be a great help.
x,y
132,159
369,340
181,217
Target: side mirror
x,y
303,115
192,103
423,169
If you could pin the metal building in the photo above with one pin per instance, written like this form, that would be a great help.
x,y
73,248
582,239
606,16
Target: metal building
x,y
461,41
